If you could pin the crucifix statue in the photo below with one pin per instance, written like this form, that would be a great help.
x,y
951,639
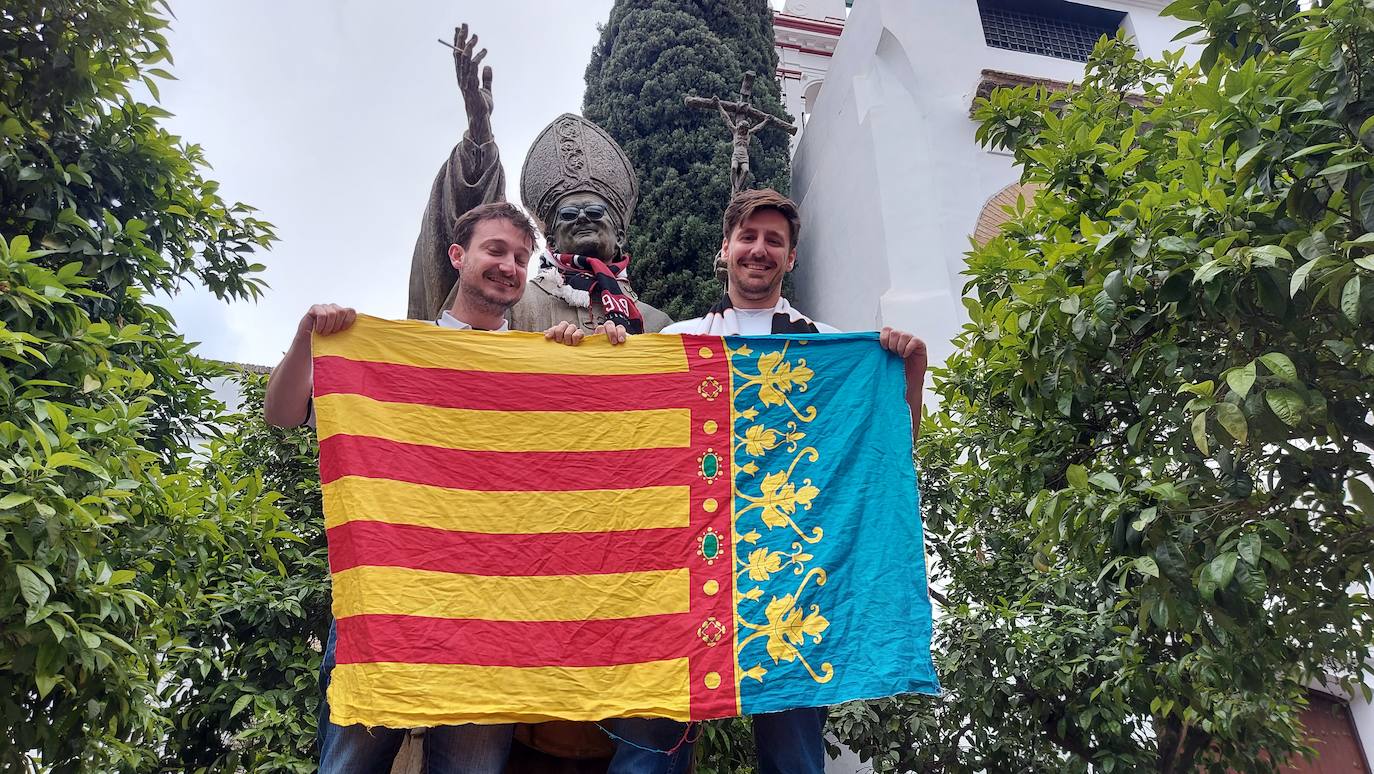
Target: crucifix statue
x,y
741,116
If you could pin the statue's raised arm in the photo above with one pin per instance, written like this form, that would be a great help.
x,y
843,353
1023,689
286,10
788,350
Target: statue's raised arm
x,y
471,175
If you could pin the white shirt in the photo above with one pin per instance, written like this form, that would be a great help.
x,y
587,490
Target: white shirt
x,y
447,320
752,322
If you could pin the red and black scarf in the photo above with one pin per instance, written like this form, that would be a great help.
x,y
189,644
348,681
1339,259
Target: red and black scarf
x,y
602,281
721,320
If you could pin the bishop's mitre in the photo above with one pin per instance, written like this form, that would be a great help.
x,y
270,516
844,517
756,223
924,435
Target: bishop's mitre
x,y
574,155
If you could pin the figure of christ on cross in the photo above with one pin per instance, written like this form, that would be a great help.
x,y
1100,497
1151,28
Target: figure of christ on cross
x,y
741,116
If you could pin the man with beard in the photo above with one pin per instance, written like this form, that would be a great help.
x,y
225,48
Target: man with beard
x,y
758,249
490,255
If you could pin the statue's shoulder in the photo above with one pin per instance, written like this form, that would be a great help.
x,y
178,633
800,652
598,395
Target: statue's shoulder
x,y
654,319
539,308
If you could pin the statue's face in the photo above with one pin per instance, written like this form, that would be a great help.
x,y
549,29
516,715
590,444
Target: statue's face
x,y
582,223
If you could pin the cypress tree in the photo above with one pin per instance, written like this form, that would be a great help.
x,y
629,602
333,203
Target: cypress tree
x,y
652,54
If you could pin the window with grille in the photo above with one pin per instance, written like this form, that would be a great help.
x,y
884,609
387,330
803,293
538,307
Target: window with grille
x,y
1054,28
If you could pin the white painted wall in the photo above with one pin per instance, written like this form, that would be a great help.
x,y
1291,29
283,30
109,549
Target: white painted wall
x,y
891,183
888,176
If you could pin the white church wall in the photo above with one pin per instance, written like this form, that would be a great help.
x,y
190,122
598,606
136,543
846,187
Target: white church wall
x,y
887,173
891,182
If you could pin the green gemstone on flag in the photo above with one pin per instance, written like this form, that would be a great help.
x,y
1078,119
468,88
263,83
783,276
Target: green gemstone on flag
x,y
710,465
710,546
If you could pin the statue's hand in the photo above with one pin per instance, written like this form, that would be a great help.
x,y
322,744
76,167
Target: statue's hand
x,y
476,95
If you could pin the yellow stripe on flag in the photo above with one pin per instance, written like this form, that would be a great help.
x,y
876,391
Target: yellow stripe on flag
x,y
354,498
401,591
506,431
422,695
513,352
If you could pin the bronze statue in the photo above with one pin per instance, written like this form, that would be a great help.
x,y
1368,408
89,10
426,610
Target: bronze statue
x,y
578,182
470,176
573,165
740,117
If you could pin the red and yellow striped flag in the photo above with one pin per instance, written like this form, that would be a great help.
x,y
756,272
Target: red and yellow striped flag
x,y
521,530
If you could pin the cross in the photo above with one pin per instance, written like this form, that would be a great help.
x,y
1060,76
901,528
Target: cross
x,y
741,116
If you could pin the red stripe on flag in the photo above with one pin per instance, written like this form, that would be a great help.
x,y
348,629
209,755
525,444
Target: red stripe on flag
x,y
488,471
373,543
417,640
712,669
487,391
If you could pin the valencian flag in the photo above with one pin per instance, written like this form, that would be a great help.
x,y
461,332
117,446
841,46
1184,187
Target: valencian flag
x,y
688,527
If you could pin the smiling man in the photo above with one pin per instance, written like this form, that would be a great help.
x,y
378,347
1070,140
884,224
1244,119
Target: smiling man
x,y
490,255
758,249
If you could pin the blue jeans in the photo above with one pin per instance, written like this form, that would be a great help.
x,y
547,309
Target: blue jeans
x,y
655,734
466,749
788,742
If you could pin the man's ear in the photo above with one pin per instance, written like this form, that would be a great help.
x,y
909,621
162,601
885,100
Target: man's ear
x,y
792,259
455,256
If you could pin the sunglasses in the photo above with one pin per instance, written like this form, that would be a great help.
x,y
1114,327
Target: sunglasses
x,y
592,211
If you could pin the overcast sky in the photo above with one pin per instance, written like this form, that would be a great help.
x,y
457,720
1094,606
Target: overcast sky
x,y
332,118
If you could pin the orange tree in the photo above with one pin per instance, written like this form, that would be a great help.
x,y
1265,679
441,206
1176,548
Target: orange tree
x,y
112,535
1147,485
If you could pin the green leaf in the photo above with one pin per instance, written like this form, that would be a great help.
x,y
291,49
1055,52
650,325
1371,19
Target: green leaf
x,y
13,499
46,683
1350,300
1105,480
1366,126
1280,366
1314,246
1286,405
1200,433
1077,476
1366,205
33,588
120,577
1249,548
1300,276
1222,568
1171,561
1230,417
1113,285
1173,244
1277,252
1361,494
1147,566
1245,159
243,701
1240,380
1201,389
1344,166
1309,150
1147,517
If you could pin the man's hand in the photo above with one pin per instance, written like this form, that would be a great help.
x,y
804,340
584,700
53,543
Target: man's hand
x,y
325,319
906,346
571,334
476,96
912,351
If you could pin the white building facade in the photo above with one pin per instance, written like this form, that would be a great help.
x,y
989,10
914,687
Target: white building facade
x,y
888,154
888,176
805,33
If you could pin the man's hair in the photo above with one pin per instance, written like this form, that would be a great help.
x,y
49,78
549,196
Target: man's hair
x,y
467,223
746,203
